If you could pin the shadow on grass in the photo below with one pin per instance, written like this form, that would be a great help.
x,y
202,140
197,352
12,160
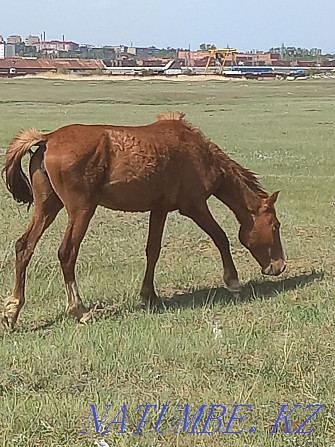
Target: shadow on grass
x,y
33,327
199,298
250,291
43,326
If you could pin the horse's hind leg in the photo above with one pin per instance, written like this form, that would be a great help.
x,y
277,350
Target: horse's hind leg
x,y
78,221
201,215
46,208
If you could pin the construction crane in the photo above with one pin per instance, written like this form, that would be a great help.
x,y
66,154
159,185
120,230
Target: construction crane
x,y
221,57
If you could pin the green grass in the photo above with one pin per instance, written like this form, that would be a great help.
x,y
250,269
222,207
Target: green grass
x,y
276,345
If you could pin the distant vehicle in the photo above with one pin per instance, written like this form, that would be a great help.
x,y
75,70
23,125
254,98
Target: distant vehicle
x,y
138,70
298,72
252,69
250,72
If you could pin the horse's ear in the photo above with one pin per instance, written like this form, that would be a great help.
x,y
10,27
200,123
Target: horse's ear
x,y
271,200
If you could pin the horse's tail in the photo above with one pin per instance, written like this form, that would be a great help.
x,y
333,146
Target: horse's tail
x,y
16,180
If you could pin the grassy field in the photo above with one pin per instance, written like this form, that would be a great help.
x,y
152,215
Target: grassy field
x,y
275,347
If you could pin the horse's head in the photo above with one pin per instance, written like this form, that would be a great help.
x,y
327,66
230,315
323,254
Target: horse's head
x,y
260,235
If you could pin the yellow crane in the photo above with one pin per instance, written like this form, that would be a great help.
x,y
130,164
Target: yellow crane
x,y
221,56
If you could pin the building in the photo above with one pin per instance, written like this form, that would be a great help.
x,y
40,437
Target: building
x,y
119,49
10,50
146,51
200,58
14,39
53,46
1,38
22,66
192,56
32,41
7,50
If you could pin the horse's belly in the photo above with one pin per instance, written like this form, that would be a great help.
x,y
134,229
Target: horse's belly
x,y
133,196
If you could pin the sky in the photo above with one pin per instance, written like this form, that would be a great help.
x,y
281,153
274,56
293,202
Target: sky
x,y
243,24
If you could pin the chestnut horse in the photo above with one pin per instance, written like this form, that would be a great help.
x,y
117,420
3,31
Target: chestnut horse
x,y
164,166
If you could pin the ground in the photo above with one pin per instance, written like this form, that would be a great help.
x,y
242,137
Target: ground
x,y
274,347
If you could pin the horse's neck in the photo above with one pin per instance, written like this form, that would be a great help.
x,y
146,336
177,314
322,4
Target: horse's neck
x,y
238,187
239,198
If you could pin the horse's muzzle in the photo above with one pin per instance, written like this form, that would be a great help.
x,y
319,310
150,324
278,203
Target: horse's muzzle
x,y
275,268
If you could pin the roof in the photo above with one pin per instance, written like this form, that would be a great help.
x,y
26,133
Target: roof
x,y
51,64
58,42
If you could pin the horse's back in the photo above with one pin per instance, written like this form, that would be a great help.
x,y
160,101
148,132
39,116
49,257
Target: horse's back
x,y
131,168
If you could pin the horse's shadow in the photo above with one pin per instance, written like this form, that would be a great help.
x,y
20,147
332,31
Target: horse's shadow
x,y
207,297
250,291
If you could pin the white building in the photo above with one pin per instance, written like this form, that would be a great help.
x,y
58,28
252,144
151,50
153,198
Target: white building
x,y
2,50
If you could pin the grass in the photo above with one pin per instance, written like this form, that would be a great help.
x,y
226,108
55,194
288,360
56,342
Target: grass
x,y
275,347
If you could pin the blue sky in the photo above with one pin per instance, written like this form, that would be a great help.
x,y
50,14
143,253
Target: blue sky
x,y
243,24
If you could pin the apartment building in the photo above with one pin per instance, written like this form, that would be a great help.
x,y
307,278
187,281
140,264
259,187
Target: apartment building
x,y
14,39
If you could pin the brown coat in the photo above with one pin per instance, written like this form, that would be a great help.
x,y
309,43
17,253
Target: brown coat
x,y
164,166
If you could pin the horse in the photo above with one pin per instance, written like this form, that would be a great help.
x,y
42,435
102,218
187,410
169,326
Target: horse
x,y
161,167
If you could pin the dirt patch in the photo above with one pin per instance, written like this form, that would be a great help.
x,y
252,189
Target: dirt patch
x,y
75,77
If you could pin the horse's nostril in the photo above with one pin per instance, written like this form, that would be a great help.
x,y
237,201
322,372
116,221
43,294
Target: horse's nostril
x,y
273,269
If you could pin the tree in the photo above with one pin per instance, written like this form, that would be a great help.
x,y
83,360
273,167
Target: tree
x,y
207,46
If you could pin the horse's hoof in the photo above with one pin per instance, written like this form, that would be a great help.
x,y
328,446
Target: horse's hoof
x,y
86,317
155,304
151,301
10,312
152,306
7,323
237,296
234,286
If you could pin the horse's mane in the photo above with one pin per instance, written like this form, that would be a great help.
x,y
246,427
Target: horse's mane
x,y
243,175
230,168
168,116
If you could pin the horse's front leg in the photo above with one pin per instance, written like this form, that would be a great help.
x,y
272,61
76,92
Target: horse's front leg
x,y
201,215
156,227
